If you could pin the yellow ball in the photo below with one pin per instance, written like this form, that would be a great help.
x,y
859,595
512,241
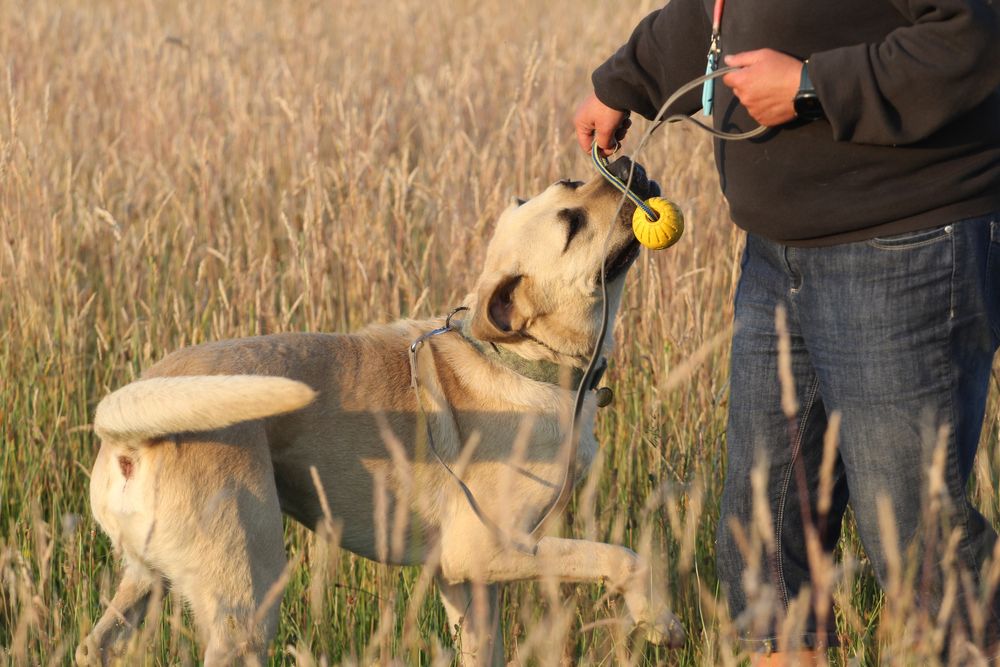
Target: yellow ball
x,y
662,232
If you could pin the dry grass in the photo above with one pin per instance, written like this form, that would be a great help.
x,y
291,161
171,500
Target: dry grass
x,y
178,172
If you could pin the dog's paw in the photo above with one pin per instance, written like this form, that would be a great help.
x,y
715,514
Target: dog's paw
x,y
88,653
665,630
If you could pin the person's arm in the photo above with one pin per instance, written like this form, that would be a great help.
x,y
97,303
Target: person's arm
x,y
917,80
666,50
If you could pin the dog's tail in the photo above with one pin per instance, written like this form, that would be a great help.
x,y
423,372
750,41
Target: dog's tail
x,y
161,406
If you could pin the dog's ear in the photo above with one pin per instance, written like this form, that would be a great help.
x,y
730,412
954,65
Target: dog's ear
x,y
502,309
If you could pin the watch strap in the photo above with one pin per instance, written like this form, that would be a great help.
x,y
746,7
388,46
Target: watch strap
x,y
806,102
805,83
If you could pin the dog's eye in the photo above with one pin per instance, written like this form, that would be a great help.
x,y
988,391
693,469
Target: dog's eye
x,y
575,219
572,185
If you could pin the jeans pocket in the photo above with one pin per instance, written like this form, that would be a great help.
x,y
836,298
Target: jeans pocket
x,y
993,279
911,239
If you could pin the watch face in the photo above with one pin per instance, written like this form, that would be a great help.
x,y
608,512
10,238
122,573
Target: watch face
x,y
808,106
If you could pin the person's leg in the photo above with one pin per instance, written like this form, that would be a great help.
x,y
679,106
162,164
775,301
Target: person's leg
x,y
762,551
899,333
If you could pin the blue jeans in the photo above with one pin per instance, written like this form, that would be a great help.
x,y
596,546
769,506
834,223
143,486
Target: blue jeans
x,y
897,335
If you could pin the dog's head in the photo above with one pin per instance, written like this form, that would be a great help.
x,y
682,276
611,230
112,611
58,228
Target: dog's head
x,y
540,290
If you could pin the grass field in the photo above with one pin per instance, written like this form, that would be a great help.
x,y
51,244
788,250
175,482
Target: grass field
x,y
173,173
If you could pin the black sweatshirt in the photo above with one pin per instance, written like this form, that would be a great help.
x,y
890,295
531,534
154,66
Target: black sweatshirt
x,y
911,91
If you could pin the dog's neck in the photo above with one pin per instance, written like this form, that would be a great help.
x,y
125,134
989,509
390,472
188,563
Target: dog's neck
x,y
540,370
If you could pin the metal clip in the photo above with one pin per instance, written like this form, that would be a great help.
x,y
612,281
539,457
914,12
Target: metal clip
x,y
415,345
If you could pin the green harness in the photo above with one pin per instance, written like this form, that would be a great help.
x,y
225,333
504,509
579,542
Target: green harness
x,y
540,370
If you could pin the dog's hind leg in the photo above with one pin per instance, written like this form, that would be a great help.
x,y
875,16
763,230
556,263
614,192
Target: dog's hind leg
x,y
236,595
474,621
125,612
230,570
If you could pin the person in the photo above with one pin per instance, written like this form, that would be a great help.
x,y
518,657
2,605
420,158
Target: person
x,y
872,212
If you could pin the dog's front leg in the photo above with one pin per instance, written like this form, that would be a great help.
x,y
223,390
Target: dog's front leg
x,y
474,621
580,561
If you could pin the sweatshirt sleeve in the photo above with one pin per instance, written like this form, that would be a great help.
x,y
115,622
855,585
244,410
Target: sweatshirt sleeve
x,y
667,49
918,79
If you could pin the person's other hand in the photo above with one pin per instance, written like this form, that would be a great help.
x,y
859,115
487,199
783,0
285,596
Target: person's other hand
x,y
595,120
766,84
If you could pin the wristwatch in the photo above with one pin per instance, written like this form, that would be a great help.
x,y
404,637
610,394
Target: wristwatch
x,y
807,104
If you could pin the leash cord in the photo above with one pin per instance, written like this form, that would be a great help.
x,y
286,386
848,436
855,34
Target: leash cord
x,y
573,444
601,163
679,117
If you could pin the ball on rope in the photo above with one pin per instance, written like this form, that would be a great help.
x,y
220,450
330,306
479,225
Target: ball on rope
x,y
662,232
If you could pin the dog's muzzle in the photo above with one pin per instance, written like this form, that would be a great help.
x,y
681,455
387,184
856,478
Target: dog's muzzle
x,y
640,183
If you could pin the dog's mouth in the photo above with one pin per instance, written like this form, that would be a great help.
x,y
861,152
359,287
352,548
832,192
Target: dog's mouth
x,y
618,262
616,265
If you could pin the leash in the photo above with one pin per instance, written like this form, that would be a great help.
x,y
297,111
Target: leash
x,y
657,222
677,118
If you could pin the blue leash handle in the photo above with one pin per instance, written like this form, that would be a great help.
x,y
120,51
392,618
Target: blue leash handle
x,y
708,88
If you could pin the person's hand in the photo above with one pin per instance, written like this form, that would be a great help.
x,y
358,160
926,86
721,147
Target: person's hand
x,y
766,84
595,120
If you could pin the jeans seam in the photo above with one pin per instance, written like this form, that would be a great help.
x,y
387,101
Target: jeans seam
x,y
992,264
951,286
956,491
952,444
783,495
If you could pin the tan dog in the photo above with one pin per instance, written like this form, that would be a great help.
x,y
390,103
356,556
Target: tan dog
x,y
201,456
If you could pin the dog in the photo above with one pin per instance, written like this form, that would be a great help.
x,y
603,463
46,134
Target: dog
x,y
201,456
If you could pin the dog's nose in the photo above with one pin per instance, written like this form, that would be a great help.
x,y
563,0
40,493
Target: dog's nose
x,y
641,185
622,166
